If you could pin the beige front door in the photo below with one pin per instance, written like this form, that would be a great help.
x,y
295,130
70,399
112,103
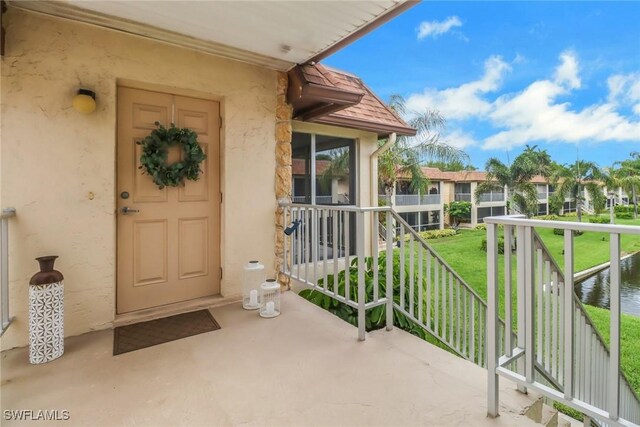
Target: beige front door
x,y
169,242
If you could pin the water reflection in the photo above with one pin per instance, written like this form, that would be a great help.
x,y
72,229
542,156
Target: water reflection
x,y
595,290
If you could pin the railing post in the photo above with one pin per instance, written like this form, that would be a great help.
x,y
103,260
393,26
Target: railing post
x,y
569,314
492,321
614,307
389,272
361,266
4,274
520,298
530,349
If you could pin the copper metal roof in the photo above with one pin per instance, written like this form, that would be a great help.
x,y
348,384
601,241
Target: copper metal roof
x,y
323,95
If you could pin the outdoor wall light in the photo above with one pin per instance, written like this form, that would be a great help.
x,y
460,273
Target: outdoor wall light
x,y
293,227
85,101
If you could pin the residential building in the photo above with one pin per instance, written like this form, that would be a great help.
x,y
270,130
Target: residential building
x,y
425,211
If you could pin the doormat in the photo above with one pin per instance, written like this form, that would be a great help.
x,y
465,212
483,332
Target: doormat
x,y
153,332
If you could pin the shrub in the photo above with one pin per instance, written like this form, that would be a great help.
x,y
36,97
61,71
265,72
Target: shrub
x,y
623,212
547,217
571,214
560,232
434,234
375,318
484,227
599,220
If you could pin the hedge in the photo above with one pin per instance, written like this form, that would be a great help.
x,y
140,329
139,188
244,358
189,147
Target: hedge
x,y
434,234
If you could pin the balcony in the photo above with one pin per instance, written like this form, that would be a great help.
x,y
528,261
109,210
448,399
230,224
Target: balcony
x,y
496,196
462,197
542,196
417,199
303,368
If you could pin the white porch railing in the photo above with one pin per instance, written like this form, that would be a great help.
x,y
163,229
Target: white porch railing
x,y
318,254
4,268
555,335
418,283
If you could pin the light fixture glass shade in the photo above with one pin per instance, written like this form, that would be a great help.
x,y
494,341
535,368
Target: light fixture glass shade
x,y
85,101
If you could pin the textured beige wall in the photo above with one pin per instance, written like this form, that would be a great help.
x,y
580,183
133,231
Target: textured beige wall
x,y
53,156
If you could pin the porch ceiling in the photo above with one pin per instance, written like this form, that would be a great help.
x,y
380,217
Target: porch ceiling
x,y
276,34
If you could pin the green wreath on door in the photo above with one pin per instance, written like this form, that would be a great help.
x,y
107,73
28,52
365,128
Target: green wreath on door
x,y
155,151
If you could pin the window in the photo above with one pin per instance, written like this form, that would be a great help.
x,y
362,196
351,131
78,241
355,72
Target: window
x,y
333,173
324,173
490,211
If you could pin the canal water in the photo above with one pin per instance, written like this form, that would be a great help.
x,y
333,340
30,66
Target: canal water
x,y
595,289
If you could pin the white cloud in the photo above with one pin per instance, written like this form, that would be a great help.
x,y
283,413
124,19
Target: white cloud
x,y
537,113
567,72
437,28
459,139
624,89
465,100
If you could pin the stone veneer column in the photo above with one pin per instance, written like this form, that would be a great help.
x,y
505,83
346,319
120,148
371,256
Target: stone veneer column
x,y
283,167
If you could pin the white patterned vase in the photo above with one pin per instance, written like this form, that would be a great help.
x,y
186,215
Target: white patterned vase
x,y
46,313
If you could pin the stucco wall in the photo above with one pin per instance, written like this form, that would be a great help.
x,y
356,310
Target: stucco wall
x,y
53,156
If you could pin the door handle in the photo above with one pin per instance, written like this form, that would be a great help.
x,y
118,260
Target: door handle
x,y
127,210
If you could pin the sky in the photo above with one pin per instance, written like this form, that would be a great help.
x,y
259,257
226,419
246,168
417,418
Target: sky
x,y
563,76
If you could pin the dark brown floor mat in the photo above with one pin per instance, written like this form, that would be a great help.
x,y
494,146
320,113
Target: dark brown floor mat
x,y
146,334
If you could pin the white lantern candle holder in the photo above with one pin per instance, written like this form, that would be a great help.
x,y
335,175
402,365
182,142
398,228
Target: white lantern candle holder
x,y
253,277
270,299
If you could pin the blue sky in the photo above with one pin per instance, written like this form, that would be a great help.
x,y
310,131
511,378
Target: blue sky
x,y
561,75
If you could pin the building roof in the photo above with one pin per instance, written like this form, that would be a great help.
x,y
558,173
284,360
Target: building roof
x,y
324,95
436,174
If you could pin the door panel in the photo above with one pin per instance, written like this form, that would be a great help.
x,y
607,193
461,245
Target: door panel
x,y
169,250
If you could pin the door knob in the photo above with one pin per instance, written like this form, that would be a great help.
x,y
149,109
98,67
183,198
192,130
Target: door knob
x,y
127,210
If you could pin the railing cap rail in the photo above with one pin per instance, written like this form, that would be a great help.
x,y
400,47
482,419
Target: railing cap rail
x,y
567,225
8,212
346,208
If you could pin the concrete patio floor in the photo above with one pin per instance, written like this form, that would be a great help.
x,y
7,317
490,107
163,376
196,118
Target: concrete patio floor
x,y
303,368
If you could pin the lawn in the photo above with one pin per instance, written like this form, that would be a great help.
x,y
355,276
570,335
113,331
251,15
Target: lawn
x,y
591,249
464,254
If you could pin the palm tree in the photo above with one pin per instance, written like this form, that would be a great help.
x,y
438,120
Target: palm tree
x,y
571,180
628,177
517,179
407,155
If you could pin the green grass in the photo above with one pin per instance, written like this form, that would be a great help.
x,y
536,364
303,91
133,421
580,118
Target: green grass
x,y
464,254
629,341
590,249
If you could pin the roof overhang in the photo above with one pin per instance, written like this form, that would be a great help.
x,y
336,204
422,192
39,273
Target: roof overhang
x,y
273,34
382,129
310,100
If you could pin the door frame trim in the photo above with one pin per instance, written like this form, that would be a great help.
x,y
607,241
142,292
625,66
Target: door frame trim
x,y
190,93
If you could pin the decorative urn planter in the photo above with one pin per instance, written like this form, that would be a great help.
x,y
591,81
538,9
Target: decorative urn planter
x,y
46,313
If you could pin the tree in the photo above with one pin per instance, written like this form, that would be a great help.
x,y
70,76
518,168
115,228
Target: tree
x,y
627,175
454,166
571,180
407,155
339,166
457,212
517,177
